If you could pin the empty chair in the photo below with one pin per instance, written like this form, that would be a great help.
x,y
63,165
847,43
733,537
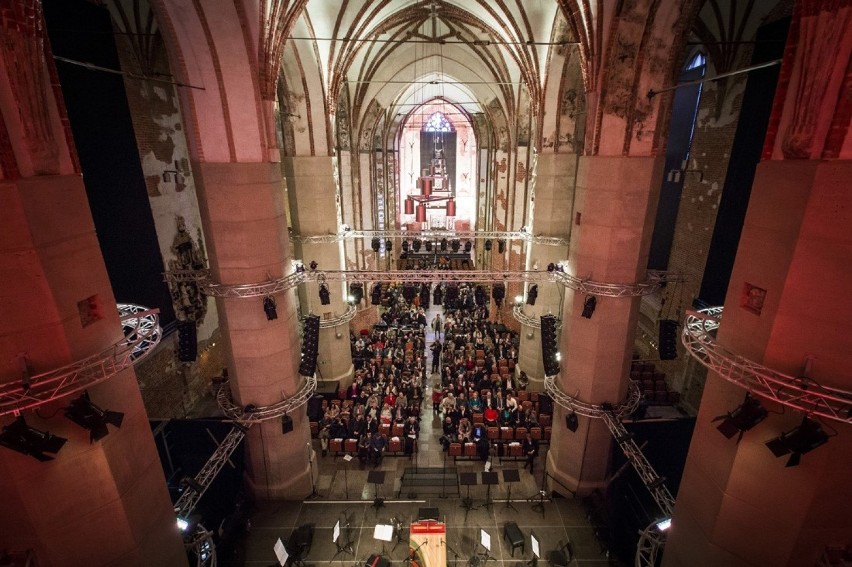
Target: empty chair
x,y
562,555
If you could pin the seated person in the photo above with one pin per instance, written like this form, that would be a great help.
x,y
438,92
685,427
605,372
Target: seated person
x,y
465,430
378,444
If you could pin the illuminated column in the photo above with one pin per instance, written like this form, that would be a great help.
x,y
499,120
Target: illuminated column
x,y
788,299
313,209
242,206
551,217
96,503
616,203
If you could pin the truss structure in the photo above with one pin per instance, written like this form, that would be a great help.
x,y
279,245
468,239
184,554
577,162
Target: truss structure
x,y
799,393
142,333
202,545
190,497
241,415
651,542
347,316
434,235
261,289
576,405
524,319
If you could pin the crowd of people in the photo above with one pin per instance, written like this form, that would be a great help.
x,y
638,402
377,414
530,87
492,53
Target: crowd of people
x,y
474,357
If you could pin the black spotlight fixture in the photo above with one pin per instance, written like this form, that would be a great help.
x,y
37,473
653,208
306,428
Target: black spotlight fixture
x,y
313,265
456,245
375,244
532,294
405,245
22,438
416,245
551,266
668,339
324,295
388,245
408,293
589,306
805,438
300,267
743,418
498,292
89,416
468,246
488,245
479,296
269,307
572,422
443,245
501,246
428,246
437,295
376,294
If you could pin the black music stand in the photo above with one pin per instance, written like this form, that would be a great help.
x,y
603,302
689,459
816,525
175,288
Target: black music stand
x,y
377,478
539,502
511,476
343,547
467,479
489,478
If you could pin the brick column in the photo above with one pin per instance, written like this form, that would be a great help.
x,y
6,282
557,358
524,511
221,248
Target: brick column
x,y
242,205
617,199
551,217
313,208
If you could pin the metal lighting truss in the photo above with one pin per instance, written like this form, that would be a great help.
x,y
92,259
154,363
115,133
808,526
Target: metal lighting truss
x,y
262,289
201,542
190,497
524,319
628,406
434,235
799,393
142,333
347,316
651,542
239,414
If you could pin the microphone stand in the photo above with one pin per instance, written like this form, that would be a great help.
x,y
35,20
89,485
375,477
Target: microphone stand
x,y
413,552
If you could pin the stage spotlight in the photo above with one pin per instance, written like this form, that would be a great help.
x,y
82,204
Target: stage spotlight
x,y
324,295
405,245
375,244
22,438
313,265
519,299
501,246
456,245
468,245
376,294
488,245
269,307
443,245
416,245
589,306
664,524
532,294
428,246
89,416
796,442
572,422
300,267
743,418
551,266
388,245
498,292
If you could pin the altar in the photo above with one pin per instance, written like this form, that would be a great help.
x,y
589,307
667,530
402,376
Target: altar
x,y
428,543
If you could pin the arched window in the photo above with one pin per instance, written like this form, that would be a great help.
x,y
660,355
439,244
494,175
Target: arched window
x,y
438,123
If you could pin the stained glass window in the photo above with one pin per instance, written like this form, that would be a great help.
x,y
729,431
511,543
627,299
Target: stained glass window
x,y
438,123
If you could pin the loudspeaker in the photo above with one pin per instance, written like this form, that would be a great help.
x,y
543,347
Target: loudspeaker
x,y
545,404
286,424
668,339
315,408
571,422
549,346
187,341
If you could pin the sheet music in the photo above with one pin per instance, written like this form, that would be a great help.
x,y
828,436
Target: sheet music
x,y
281,552
336,533
485,539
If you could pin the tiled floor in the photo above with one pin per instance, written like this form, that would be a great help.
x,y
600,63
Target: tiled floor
x,y
345,493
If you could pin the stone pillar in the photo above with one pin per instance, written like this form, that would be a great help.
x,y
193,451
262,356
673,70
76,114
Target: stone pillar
x,y
96,503
738,504
617,200
242,206
552,217
313,210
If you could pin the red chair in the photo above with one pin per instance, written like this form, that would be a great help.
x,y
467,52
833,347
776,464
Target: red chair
x,y
515,449
395,445
396,430
507,434
545,419
314,428
548,431
455,450
335,445
470,449
493,433
351,445
535,433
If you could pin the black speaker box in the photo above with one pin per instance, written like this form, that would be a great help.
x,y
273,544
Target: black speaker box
x,y
286,424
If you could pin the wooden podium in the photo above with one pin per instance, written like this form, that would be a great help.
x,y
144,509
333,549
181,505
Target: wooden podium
x,y
431,537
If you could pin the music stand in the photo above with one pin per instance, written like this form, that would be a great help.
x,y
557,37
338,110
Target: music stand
x,y
538,506
335,537
467,479
511,476
536,550
485,542
348,458
383,533
377,478
489,478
